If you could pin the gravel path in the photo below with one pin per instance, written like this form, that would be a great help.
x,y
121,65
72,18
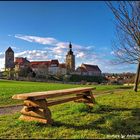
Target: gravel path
x,y
10,109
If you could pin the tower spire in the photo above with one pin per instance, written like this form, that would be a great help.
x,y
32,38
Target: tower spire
x,y
70,45
70,52
70,60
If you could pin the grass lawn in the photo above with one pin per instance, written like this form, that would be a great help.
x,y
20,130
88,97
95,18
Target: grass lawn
x,y
115,115
9,88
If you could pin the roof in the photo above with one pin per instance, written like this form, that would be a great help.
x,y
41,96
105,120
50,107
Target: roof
x,y
55,61
9,50
36,63
40,62
82,69
89,67
21,60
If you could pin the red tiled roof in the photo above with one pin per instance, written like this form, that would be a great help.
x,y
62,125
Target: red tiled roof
x,y
21,60
89,67
40,62
37,63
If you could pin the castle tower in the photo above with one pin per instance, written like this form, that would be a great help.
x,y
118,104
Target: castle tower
x,y
9,58
70,60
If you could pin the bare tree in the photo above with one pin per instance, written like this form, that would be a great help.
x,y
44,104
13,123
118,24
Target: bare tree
x,y
127,46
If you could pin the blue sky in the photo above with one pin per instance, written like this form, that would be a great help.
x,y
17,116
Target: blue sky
x,y
42,31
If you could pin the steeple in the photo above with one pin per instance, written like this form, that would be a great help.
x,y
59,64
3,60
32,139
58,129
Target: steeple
x,y
9,50
70,46
70,60
70,52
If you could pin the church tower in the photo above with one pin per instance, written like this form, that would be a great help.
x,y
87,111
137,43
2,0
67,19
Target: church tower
x,y
9,58
70,60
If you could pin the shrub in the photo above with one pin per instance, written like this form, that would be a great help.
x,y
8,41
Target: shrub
x,y
79,78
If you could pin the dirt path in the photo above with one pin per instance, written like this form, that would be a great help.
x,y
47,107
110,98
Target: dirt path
x,y
17,108
10,109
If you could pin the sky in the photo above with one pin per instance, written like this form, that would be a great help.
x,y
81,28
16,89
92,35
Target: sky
x,y
42,30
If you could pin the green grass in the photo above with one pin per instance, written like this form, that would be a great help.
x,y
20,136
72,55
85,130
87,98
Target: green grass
x,y
9,88
114,116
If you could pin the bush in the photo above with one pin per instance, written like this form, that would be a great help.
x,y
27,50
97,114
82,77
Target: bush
x,y
55,78
79,78
24,72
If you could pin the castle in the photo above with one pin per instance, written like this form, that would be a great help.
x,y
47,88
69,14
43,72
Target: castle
x,y
52,67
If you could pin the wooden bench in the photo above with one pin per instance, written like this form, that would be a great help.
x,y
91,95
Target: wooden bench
x,y
36,103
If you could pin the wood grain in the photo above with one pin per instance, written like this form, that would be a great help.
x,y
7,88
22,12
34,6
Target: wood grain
x,y
50,94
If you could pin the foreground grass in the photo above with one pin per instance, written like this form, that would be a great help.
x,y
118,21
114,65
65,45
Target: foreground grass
x,y
114,116
9,88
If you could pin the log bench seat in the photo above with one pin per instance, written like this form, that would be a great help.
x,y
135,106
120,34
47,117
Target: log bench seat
x,y
36,103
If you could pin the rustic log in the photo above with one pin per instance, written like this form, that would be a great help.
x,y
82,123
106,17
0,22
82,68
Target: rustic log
x,y
36,103
41,113
92,97
31,108
63,101
51,94
30,118
81,101
88,99
36,107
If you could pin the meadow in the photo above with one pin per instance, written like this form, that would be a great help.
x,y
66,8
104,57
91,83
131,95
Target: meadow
x,y
9,88
115,115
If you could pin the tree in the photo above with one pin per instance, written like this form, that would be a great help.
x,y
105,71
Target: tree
x,y
25,72
127,46
9,73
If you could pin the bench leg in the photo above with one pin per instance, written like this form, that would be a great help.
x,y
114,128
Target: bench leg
x,y
36,110
88,99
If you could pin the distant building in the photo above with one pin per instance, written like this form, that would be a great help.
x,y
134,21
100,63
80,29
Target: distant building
x,y
62,69
21,63
22,67
9,59
87,69
70,60
40,67
52,67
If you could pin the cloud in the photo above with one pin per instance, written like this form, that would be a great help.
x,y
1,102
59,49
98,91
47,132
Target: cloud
x,y
55,49
36,39
80,55
62,45
2,60
14,47
33,54
1,55
112,53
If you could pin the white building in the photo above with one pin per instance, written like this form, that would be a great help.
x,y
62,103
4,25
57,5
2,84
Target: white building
x,y
52,67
